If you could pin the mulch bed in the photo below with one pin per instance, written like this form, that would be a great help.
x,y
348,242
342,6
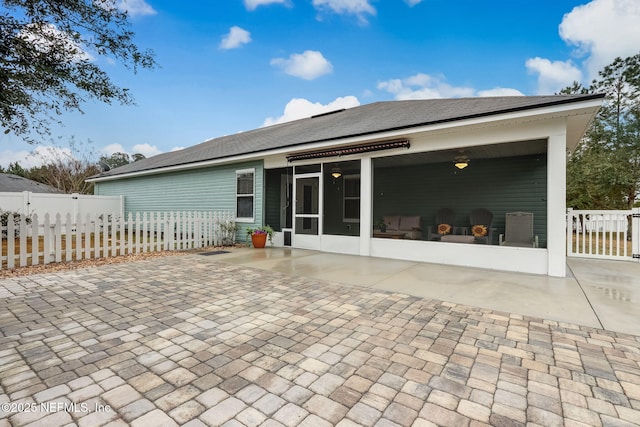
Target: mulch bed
x,y
74,265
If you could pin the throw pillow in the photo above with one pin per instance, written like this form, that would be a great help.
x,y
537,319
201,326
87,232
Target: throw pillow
x,y
444,229
479,230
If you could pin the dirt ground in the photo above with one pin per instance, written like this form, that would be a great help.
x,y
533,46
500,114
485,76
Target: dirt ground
x,y
73,265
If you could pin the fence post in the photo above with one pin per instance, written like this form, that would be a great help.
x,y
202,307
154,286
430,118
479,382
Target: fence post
x,y
569,231
25,202
75,209
635,234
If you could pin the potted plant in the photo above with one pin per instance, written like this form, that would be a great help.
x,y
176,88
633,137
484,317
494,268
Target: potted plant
x,y
259,236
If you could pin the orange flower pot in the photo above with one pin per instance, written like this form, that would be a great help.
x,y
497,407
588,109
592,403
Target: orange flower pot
x,y
259,240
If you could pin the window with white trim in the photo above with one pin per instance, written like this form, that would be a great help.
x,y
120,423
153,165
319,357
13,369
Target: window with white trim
x,y
351,198
245,195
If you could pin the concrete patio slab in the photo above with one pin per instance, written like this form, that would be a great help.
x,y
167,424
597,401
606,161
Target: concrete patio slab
x,y
613,290
206,340
597,293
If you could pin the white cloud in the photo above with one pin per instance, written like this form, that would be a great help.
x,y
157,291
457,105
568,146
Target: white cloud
x,y
136,7
253,4
112,148
10,156
500,91
307,65
359,8
412,3
553,76
235,38
425,86
147,150
46,38
299,108
40,155
602,30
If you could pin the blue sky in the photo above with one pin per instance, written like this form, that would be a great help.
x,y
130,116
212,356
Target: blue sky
x,y
234,65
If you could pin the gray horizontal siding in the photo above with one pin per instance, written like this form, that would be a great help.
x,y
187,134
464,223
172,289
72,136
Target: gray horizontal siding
x,y
207,189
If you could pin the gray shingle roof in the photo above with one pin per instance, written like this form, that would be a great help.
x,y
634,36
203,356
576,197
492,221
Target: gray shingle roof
x,y
366,119
13,183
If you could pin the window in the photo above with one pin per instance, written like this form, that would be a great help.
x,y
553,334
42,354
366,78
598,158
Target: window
x,y
351,205
245,185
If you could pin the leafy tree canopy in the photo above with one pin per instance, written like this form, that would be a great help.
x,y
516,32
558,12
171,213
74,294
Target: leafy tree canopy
x,y
47,66
120,159
604,171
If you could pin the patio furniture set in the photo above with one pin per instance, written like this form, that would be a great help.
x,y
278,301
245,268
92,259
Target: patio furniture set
x,y
518,228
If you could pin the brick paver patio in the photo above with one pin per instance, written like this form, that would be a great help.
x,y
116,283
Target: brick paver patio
x,y
186,340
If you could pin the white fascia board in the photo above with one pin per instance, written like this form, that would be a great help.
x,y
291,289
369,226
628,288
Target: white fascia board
x,y
561,110
198,165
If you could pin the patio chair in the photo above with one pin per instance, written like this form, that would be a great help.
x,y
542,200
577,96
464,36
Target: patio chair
x,y
444,217
519,230
481,221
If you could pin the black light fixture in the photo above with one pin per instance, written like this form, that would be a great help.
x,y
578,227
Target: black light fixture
x,y
336,172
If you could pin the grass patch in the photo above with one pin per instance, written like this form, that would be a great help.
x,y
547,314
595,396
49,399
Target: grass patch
x,y
601,244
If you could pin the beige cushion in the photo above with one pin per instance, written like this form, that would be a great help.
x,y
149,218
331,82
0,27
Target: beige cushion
x,y
409,223
392,222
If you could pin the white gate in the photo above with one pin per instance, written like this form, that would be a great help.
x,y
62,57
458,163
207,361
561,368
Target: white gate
x,y
606,234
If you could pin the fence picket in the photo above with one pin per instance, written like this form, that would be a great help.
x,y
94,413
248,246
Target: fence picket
x,y
47,240
57,245
130,232
68,238
106,235
78,236
635,233
87,239
11,242
23,240
171,232
35,240
97,249
137,231
601,234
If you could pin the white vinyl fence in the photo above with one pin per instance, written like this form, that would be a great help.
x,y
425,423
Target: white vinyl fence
x,y
606,234
43,240
28,203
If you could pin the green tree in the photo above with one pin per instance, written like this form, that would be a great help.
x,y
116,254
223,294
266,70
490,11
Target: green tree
x,y
604,171
15,168
120,159
46,59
